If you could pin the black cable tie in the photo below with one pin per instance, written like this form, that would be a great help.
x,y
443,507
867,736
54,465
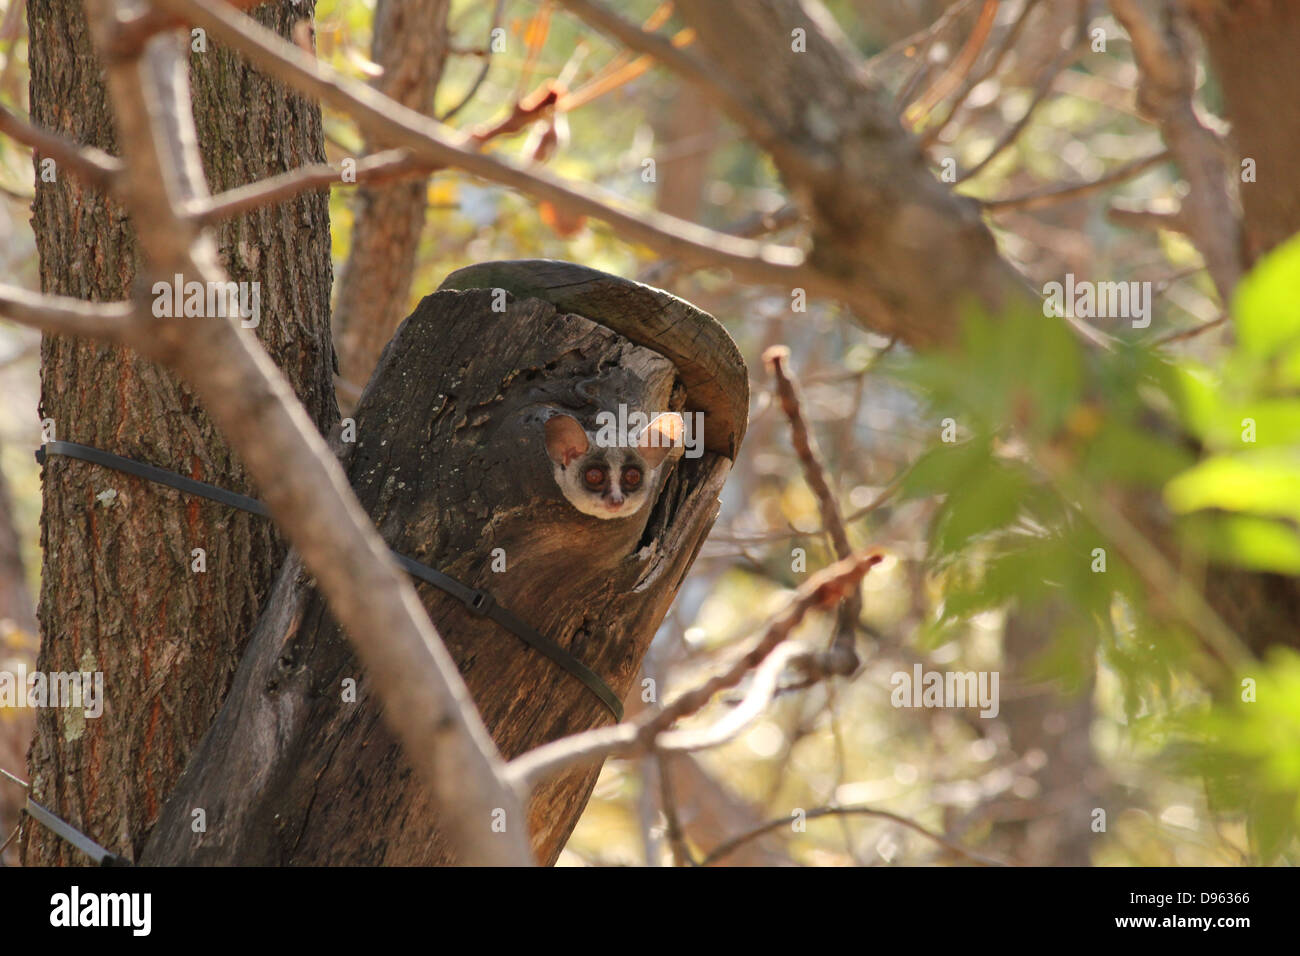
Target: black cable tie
x,y
478,600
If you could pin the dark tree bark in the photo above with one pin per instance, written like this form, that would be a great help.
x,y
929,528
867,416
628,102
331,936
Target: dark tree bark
x,y
118,594
451,464
410,44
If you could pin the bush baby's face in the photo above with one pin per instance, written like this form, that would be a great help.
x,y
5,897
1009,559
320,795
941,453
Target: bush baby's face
x,y
603,481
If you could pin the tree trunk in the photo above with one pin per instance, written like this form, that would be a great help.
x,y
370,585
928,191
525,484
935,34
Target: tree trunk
x,y
410,44
1252,45
1050,828
118,594
451,464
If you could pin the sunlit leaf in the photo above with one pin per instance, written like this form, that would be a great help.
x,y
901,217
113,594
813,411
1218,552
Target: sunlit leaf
x,y
1267,313
1263,482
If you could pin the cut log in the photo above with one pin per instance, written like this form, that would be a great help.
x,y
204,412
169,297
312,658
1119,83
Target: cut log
x,y
450,462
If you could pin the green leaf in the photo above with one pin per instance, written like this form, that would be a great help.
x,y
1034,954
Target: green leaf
x,y
1124,453
1260,544
1199,396
1264,482
1265,307
944,467
986,500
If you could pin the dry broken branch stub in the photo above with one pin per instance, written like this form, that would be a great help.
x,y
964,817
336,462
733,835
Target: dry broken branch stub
x,y
450,463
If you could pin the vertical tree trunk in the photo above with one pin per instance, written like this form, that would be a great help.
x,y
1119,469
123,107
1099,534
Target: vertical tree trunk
x,y
687,131
1054,827
410,43
118,594
1253,45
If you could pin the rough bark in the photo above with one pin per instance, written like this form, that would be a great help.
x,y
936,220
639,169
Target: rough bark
x,y
1252,46
118,595
451,464
410,44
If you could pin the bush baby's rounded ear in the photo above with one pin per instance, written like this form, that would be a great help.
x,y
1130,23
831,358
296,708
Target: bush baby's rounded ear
x,y
659,436
566,440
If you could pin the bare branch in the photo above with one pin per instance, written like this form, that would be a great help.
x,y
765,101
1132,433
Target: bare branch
x,y
392,164
93,165
751,227
126,36
673,829
730,846
1166,92
932,134
1146,218
1041,92
60,315
1058,194
1193,332
714,84
426,139
823,590
805,446
483,70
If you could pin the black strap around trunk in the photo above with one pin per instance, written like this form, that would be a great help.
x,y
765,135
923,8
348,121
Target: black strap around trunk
x,y
478,600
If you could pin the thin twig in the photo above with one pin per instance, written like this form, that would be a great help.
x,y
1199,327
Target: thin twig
x,y
1145,218
932,134
1058,194
61,315
1041,92
824,589
483,70
1191,333
12,836
384,120
390,165
730,846
777,359
958,70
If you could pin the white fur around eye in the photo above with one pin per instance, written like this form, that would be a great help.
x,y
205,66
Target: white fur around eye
x,y
568,444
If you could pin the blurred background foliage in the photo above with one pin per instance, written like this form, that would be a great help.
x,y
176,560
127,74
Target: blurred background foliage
x,y
1129,699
